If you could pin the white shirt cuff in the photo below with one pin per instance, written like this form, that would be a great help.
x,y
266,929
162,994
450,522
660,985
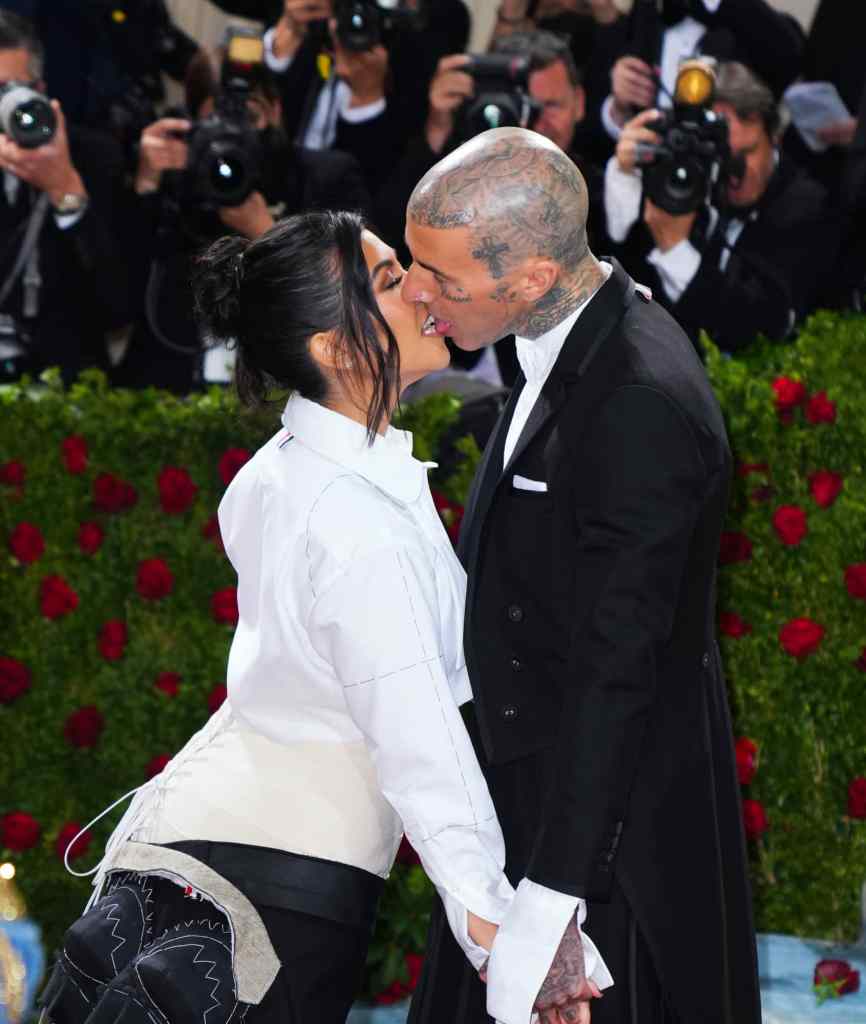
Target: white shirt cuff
x,y
65,221
357,115
610,126
272,61
525,946
676,267
622,198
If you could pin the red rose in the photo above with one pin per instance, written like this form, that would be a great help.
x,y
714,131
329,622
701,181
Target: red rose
x,y
746,751
216,697
855,580
747,468
406,853
13,473
176,490
789,393
754,819
835,978
857,798
156,764
84,727
734,547
14,680
825,487
819,409
399,990
56,597
168,682
790,524
112,639
224,606
211,531
74,453
154,580
730,624
19,831
230,462
111,494
65,837
90,538
27,543
801,637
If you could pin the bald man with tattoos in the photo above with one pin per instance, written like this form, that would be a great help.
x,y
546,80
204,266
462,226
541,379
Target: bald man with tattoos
x,y
590,539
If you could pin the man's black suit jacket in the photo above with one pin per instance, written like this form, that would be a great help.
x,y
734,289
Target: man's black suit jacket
x,y
590,644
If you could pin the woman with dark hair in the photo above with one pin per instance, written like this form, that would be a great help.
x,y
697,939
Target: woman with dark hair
x,y
243,879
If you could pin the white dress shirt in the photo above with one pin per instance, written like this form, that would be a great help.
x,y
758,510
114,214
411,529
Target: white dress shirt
x,y
529,935
333,102
679,42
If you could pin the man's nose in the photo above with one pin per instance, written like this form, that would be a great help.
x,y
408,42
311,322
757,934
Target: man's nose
x,y
415,289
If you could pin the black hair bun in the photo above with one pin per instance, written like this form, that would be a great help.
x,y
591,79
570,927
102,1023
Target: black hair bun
x,y
217,289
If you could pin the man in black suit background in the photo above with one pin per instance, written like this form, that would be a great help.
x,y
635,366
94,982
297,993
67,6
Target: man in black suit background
x,y
590,541
72,287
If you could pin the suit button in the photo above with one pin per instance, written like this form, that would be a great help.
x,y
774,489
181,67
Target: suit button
x,y
509,712
515,613
609,857
705,660
516,665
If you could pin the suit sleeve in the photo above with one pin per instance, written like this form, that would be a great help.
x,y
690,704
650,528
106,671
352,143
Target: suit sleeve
x,y
640,489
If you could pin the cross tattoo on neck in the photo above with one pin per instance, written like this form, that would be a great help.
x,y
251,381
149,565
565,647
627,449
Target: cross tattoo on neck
x,y
492,254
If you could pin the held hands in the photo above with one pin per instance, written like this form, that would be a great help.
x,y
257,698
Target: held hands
x,y
564,996
633,86
251,219
667,230
634,136
363,71
47,168
448,89
159,151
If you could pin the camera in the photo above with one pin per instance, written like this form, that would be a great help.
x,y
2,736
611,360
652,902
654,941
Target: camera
x,y
363,24
693,160
501,94
225,157
26,115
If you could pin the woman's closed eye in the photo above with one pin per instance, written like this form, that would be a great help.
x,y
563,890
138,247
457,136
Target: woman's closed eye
x,y
394,282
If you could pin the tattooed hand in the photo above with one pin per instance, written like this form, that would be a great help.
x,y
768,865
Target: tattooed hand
x,y
564,996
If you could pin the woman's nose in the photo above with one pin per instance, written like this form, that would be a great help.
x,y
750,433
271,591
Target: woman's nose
x,y
414,287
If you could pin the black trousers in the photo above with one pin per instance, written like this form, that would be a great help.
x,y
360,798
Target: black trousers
x,y
450,990
148,951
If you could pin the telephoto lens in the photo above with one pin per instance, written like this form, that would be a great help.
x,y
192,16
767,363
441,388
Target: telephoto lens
x,y
26,116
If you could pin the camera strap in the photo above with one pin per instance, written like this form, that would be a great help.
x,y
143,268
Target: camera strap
x,y
27,261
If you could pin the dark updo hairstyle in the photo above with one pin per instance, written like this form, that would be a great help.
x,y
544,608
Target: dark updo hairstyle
x,y
268,297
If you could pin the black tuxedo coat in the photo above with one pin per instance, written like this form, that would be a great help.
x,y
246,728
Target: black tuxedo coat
x,y
590,642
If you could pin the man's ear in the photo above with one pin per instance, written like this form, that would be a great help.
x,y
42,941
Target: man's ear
x,y
326,350
538,279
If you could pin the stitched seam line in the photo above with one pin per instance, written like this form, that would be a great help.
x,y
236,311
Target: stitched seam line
x,y
464,828
342,476
396,672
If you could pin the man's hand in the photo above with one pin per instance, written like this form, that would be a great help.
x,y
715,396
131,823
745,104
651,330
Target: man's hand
x,y
667,230
47,168
159,151
290,30
363,71
633,86
634,135
252,218
564,996
448,89
839,133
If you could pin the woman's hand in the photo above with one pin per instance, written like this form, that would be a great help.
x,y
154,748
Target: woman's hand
x,y
481,932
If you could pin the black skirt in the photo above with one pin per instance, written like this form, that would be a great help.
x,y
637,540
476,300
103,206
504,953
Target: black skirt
x,y
153,950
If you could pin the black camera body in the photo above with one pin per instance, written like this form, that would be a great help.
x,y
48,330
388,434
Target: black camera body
x,y
693,163
26,116
363,24
501,95
225,158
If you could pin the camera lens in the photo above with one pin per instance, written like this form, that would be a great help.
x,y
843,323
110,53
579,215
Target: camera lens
x,y
27,117
681,182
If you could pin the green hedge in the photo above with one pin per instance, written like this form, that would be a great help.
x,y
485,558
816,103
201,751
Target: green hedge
x,y
805,716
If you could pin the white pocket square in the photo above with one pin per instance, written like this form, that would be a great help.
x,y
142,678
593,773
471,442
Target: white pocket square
x,y
523,483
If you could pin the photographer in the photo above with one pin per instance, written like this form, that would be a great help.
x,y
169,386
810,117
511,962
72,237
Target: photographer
x,y
232,169
62,278
366,101
754,261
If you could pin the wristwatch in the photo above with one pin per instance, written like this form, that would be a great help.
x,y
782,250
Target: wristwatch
x,y
71,202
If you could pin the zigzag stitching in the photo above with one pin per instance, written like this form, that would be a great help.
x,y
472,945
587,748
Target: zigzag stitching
x,y
152,950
